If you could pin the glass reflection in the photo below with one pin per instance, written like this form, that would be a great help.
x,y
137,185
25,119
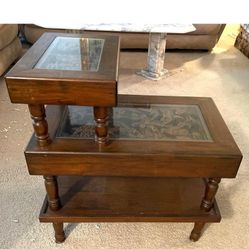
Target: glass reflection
x,y
147,122
71,53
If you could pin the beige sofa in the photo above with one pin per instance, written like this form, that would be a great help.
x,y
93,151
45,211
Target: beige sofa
x,y
10,46
204,37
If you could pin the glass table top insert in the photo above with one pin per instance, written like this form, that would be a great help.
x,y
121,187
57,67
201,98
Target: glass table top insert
x,y
72,53
139,122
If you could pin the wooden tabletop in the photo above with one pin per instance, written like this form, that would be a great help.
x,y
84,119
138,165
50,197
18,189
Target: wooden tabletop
x,y
217,157
27,83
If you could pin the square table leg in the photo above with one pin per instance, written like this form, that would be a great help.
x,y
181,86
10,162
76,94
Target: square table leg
x,y
156,52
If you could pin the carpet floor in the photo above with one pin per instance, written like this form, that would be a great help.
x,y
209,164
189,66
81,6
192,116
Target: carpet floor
x,y
222,74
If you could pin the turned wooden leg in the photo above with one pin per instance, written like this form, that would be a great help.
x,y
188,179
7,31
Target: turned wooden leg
x,y
197,231
40,124
52,192
101,124
211,189
59,232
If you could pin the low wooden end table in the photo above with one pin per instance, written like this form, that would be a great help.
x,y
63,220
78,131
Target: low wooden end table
x,y
130,158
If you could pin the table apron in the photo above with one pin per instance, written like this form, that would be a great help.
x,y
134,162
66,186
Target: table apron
x,y
130,165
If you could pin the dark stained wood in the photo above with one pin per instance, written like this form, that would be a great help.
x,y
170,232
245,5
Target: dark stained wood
x,y
101,124
55,91
59,232
197,231
222,145
211,189
52,192
126,195
123,180
108,68
40,124
29,85
103,164
129,199
218,158
222,139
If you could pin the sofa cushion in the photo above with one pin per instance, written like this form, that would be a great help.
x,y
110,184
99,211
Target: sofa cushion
x,y
205,37
207,29
8,32
32,32
9,54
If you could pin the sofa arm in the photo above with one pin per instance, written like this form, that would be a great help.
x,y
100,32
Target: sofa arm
x,y
10,46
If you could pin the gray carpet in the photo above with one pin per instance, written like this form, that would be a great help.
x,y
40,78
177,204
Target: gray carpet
x,y
222,74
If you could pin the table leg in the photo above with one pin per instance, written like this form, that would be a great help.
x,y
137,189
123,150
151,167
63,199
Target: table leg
x,y
59,232
52,192
206,205
40,124
211,189
101,124
155,62
197,230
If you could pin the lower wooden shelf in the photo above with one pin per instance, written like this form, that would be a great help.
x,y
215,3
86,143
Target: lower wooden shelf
x,y
130,199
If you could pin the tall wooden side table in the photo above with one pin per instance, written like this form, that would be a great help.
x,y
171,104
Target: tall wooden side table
x,y
109,157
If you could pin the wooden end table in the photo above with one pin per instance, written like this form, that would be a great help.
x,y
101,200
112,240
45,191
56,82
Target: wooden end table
x,y
158,159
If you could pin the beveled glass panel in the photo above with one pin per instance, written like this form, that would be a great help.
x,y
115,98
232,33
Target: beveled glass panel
x,y
143,122
72,53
